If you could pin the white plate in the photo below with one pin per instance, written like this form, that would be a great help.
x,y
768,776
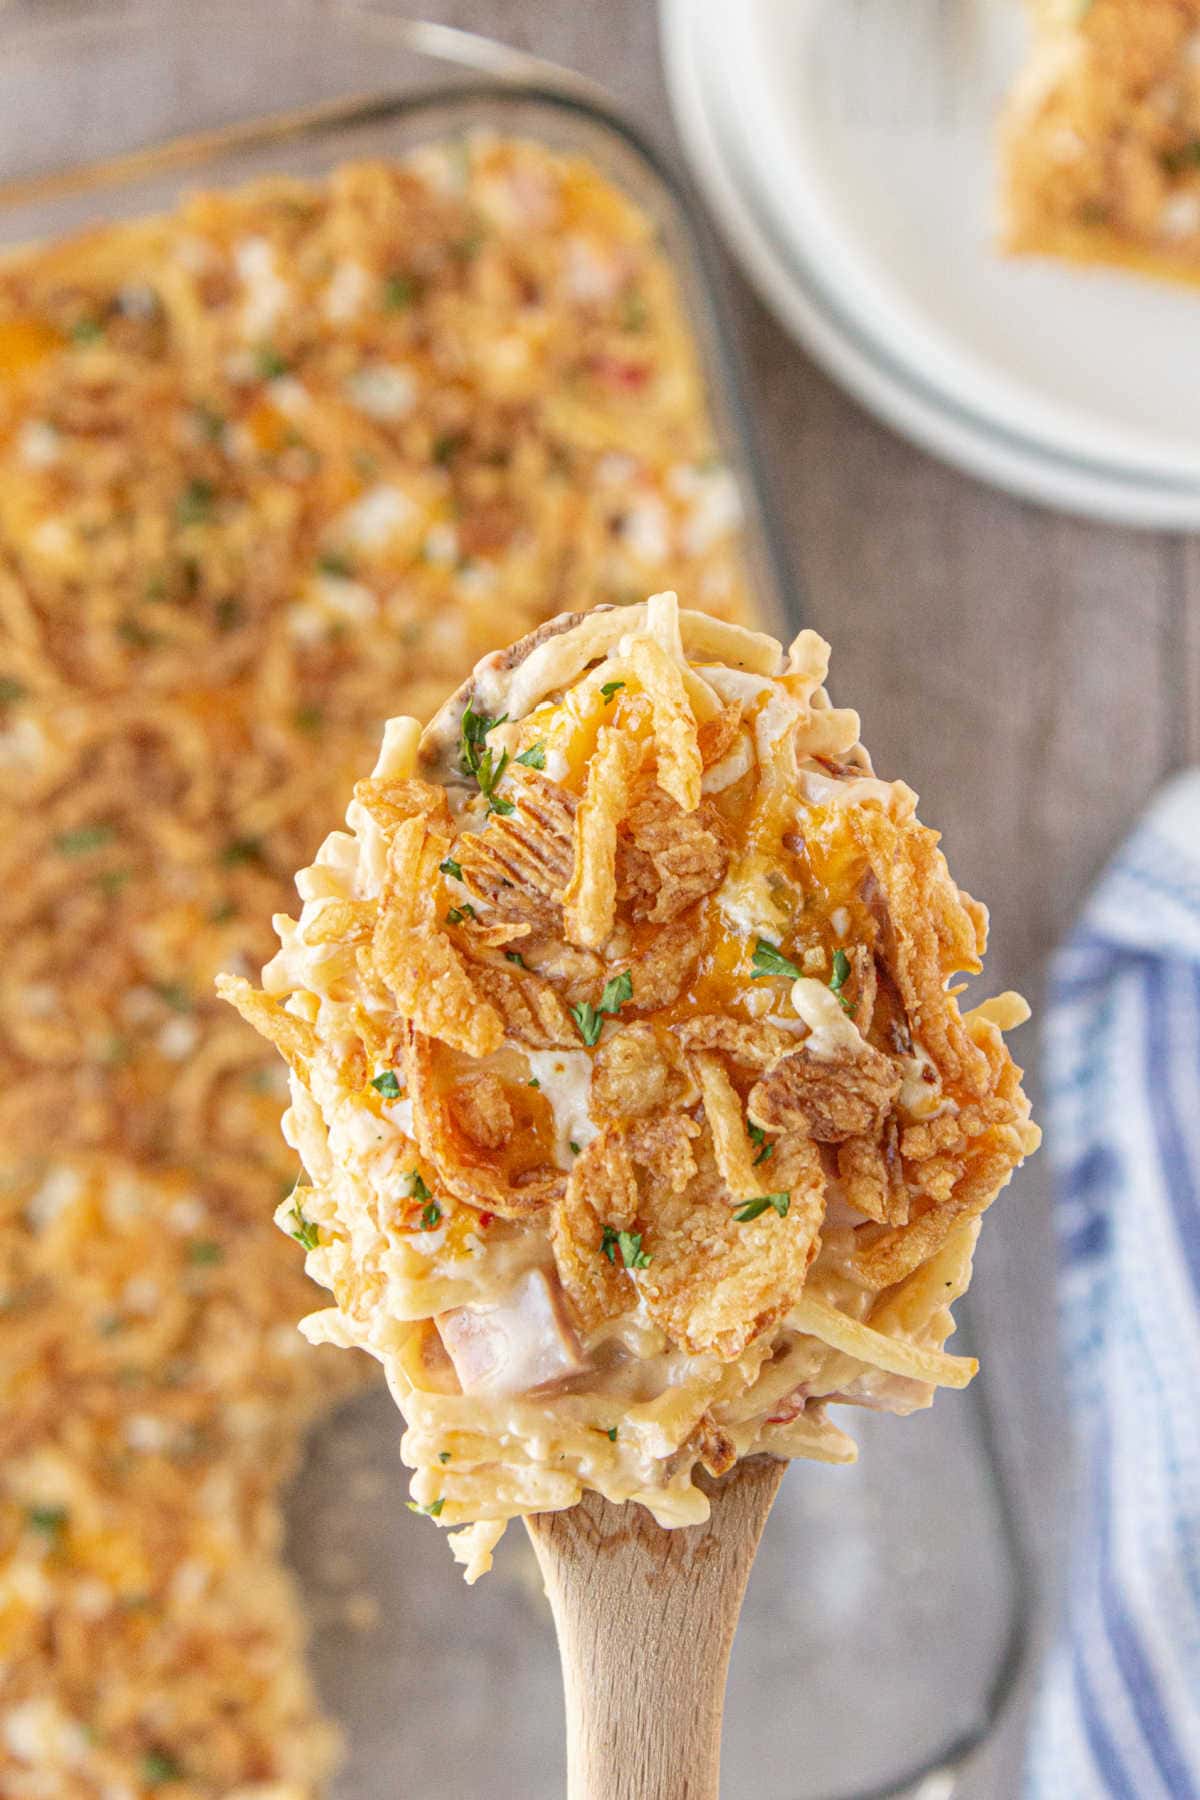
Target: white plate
x,y
863,209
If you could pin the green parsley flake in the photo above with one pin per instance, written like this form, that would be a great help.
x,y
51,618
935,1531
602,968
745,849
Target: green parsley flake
x,y
590,1019
431,1216
533,1082
768,960
514,956
610,688
758,1138
418,1190
270,364
573,1147
241,850
754,1208
478,760
447,447
158,1766
443,1456
534,757
839,978
386,1084
305,1232
87,331
611,1434
51,1521
629,1243
332,562
195,504
174,995
83,839
450,867
431,1511
399,291
457,914
202,1252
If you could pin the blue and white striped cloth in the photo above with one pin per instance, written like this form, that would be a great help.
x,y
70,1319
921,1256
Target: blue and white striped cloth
x,y
1119,1708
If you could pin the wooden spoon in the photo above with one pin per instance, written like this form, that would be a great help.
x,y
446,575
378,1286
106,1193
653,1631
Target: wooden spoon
x,y
645,1621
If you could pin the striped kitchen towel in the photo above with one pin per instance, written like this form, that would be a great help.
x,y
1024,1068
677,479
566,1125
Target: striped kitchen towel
x,y
1119,1708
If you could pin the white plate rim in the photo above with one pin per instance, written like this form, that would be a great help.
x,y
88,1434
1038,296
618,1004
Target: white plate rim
x,y
919,412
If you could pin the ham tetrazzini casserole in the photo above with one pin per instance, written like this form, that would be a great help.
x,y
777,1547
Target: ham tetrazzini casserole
x,y
641,1123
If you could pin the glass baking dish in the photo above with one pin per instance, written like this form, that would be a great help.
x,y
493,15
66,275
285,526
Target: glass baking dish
x,y
886,1615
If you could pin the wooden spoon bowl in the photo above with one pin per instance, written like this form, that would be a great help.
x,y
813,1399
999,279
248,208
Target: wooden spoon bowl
x,y
645,1621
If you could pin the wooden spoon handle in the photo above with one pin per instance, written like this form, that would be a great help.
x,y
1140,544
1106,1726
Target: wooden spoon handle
x,y
645,1621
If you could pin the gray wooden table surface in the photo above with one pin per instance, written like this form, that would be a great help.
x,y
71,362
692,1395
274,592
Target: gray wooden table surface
x,y
1034,677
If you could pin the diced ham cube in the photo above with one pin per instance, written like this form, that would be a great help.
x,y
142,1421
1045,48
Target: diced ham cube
x,y
523,1343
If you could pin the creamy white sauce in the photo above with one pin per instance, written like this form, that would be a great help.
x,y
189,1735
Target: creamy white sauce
x,y
375,519
384,391
565,1077
266,294
920,1097
832,1032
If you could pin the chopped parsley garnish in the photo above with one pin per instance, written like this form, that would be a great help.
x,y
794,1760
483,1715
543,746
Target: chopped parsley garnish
x,y
418,1190
533,1082
195,503
534,757
450,867
629,1243
270,364
573,1147
174,996
386,1084
241,850
514,956
457,914
305,1232
758,1138
1185,156
610,688
399,291
332,562
132,631
754,1208
431,1511
839,978
51,1521
768,960
83,839
480,761
158,1766
611,1434
431,1216
443,1456
11,689
590,1019
447,447
202,1252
